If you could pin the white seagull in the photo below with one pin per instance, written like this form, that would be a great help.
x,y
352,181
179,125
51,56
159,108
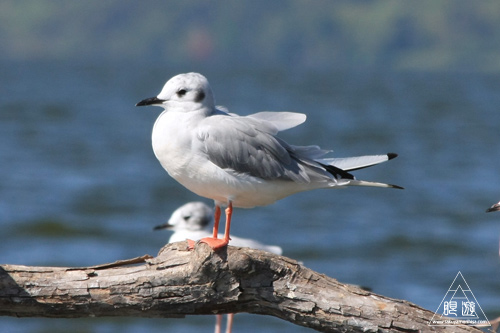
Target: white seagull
x,y
192,221
238,160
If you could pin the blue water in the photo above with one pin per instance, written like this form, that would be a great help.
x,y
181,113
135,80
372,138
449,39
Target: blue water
x,y
80,185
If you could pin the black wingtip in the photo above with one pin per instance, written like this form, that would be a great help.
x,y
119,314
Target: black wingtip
x,y
337,172
397,186
390,156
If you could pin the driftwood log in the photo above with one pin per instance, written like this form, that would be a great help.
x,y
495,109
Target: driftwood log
x,y
179,282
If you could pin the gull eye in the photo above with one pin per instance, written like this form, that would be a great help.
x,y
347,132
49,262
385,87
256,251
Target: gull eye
x,y
187,217
181,92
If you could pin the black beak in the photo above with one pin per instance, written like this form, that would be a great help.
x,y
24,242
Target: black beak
x,y
163,226
150,101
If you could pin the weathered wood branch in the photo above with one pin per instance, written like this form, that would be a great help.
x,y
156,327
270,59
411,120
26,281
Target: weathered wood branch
x,y
179,282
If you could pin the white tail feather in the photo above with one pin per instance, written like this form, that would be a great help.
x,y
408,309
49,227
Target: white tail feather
x,y
355,182
358,162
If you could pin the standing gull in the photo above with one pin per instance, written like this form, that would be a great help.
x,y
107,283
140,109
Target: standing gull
x,y
192,221
238,160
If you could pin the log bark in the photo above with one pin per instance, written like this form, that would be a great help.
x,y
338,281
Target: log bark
x,y
179,282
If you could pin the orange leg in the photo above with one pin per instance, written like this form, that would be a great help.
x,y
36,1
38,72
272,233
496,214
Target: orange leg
x,y
216,221
218,323
229,214
214,242
229,325
191,242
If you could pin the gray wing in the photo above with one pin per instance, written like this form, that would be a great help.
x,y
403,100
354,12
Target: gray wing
x,y
248,145
281,120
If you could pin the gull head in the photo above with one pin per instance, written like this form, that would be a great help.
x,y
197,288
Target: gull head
x,y
191,216
189,91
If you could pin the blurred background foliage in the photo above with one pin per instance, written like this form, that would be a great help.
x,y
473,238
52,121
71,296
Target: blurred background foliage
x,y
421,35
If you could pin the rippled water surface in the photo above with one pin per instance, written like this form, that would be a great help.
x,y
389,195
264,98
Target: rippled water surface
x,y
80,185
